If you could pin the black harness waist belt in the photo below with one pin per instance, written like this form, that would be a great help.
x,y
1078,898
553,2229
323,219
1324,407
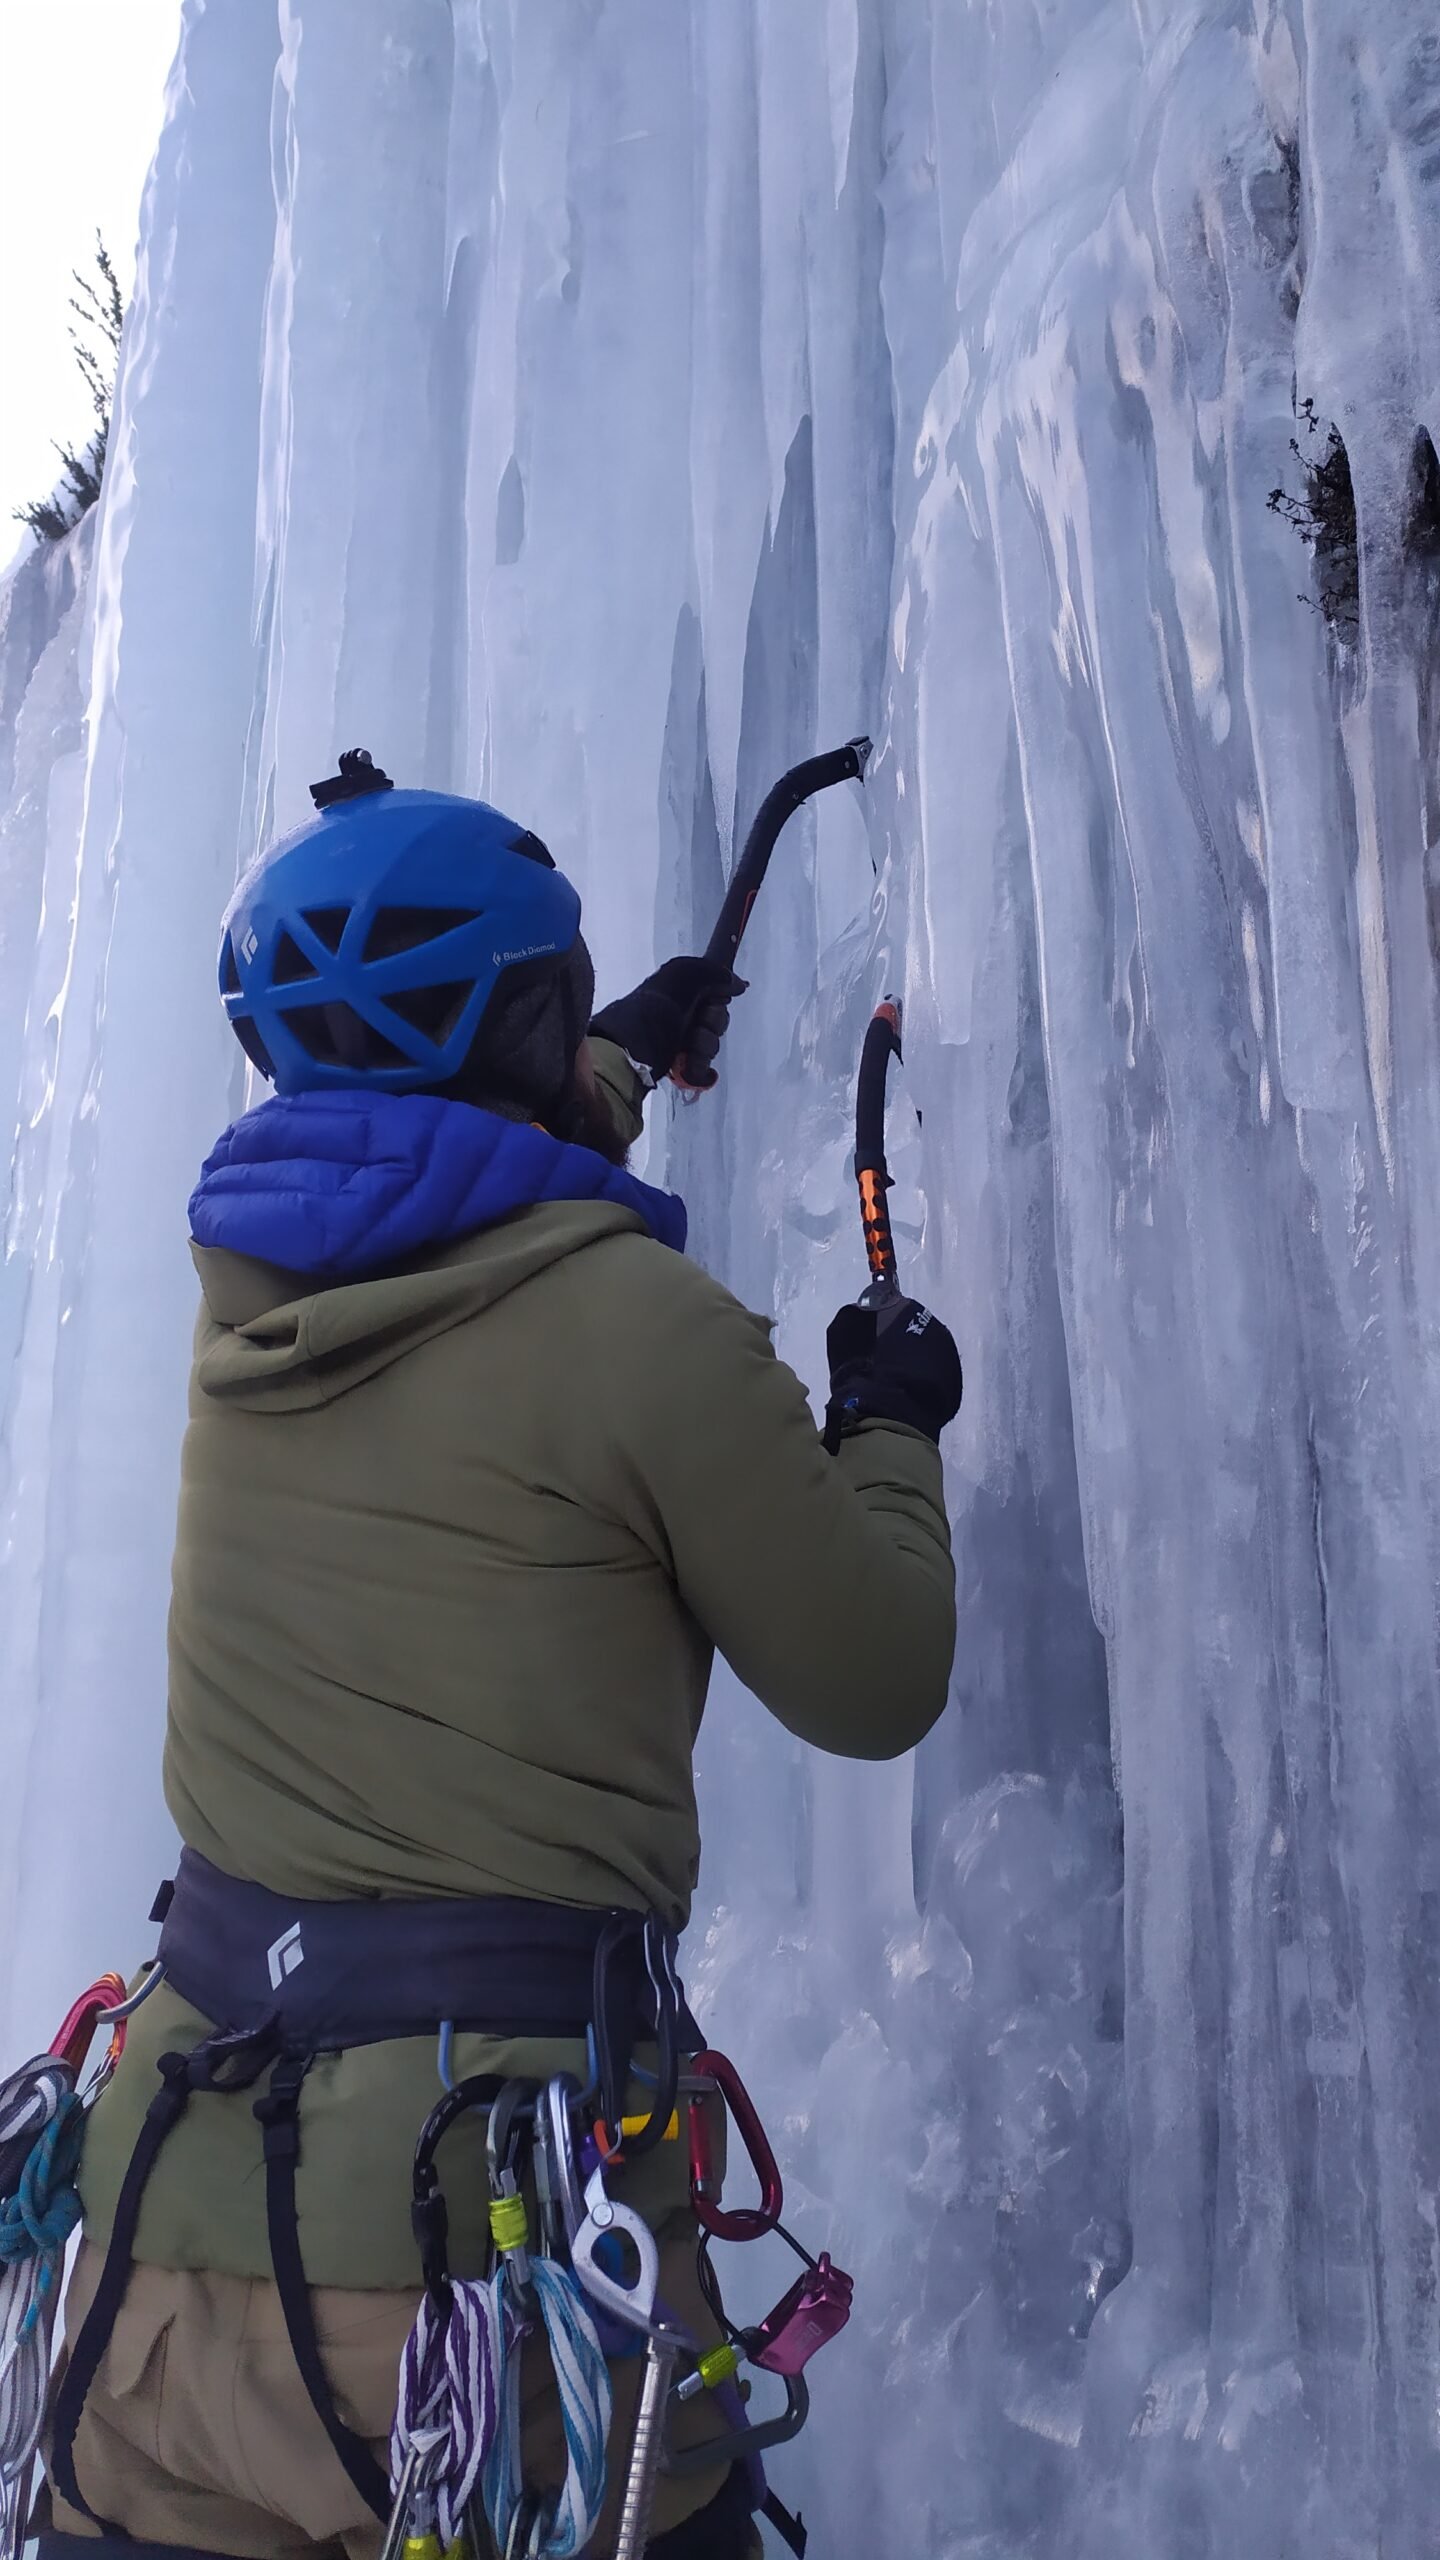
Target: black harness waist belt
x,y
328,1975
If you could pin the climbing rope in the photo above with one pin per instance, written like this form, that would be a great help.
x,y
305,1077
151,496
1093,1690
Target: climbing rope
x,y
585,2404
450,2396
29,2100
39,2209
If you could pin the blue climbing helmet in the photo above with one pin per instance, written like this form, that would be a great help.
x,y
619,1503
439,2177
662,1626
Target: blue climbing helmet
x,y
366,949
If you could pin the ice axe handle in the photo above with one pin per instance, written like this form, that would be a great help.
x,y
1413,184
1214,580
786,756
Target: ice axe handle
x,y
817,773
872,1173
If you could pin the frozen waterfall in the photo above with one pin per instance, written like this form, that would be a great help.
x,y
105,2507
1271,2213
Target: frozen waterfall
x,y
597,404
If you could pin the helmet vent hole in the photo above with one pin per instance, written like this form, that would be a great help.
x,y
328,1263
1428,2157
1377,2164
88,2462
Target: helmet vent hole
x,y
290,964
328,925
229,973
433,1010
334,1035
398,929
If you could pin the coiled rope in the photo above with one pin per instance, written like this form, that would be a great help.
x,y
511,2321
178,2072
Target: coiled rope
x,y
585,2406
42,2124
450,2396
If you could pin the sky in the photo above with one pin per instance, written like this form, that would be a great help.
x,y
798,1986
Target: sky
x,y
82,87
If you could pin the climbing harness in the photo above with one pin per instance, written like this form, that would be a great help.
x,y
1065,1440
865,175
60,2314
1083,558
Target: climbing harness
x,y
358,1973
815,773
577,2270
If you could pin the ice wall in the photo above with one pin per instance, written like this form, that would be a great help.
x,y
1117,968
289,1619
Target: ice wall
x,y
596,406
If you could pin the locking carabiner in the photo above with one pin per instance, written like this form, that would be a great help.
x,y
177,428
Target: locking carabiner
x,y
429,2216
509,2214
739,2222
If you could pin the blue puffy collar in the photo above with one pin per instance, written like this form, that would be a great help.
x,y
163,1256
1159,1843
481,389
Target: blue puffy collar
x,y
340,1185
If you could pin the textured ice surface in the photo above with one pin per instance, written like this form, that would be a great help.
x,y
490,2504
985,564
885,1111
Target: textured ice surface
x,y
597,406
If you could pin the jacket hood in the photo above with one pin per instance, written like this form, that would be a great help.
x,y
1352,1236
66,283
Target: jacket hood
x,y
340,1185
307,1205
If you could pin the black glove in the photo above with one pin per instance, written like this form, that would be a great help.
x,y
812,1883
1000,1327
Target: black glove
x,y
676,1018
897,1363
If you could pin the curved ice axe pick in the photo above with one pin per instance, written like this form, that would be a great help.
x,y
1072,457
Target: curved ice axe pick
x,y
872,1173
817,773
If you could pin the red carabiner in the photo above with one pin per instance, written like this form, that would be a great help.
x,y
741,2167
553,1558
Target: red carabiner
x,y
741,2222
73,2040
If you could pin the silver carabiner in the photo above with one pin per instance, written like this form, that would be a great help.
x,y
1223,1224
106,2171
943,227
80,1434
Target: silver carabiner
x,y
634,2304
557,2180
501,2143
529,2528
412,2487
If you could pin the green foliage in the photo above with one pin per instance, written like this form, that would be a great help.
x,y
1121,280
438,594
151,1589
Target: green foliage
x,y
100,313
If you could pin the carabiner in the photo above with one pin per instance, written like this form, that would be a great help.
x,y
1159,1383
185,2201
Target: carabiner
x,y
665,1983
747,2439
509,2217
529,2527
740,2222
429,2218
557,2180
95,2007
410,2490
658,1947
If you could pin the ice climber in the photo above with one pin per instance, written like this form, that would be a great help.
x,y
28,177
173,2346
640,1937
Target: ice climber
x,y
480,1472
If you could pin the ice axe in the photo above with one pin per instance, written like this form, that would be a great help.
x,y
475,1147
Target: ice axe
x,y
872,1173
816,773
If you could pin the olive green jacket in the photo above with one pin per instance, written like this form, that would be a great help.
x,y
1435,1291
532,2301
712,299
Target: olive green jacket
x,y
456,1547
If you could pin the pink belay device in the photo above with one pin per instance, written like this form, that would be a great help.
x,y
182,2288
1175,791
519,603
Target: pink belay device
x,y
805,2319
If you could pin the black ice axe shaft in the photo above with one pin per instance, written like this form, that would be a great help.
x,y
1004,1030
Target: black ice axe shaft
x,y
817,773
872,1173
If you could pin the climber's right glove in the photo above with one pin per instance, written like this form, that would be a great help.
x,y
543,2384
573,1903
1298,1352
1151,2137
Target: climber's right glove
x,y
675,1020
897,1363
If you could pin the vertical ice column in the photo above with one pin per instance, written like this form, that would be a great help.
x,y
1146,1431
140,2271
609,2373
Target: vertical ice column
x,y
127,1066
